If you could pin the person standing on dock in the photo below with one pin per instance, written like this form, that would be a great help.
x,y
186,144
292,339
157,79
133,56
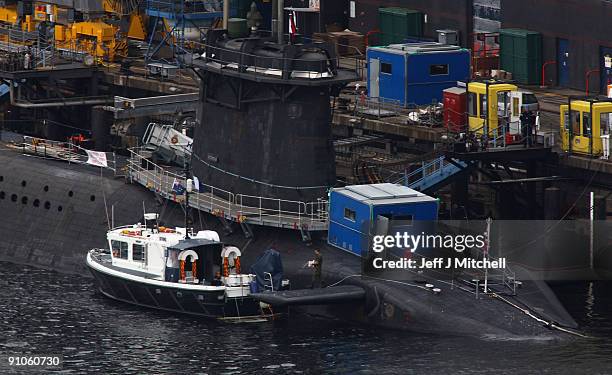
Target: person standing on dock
x,y
317,264
527,124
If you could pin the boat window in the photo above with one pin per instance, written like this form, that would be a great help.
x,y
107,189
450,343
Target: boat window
x,y
138,252
120,249
566,120
605,123
472,110
349,214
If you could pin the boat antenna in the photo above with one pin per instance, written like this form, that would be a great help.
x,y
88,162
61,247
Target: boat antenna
x,y
486,253
187,191
144,213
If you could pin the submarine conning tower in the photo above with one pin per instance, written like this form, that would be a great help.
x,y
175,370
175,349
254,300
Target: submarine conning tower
x,y
265,118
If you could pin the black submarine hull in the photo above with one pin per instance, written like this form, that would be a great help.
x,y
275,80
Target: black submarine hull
x,y
60,239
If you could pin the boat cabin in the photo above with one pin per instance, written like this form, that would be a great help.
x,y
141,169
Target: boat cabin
x,y
169,255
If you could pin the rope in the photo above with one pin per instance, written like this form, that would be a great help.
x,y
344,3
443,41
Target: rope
x,y
257,181
548,324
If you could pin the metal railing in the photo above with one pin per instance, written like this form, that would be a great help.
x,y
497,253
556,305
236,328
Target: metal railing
x,y
424,115
278,66
236,207
66,151
436,167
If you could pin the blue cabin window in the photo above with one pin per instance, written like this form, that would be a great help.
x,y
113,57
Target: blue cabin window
x,y
349,214
403,220
386,68
438,69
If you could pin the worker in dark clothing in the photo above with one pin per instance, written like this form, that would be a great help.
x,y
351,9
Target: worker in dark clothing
x,y
528,120
217,280
317,264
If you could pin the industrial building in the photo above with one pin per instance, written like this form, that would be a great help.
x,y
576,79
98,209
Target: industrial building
x,y
575,35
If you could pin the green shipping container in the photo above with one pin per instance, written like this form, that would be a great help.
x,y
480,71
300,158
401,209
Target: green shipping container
x,y
397,24
521,54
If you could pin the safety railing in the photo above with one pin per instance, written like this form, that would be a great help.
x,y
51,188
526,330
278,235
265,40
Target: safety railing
x,y
497,281
424,115
502,136
280,67
177,7
65,151
439,167
237,207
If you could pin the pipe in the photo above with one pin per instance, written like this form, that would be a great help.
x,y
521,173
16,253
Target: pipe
x,y
543,85
369,34
226,13
68,103
274,26
587,76
280,18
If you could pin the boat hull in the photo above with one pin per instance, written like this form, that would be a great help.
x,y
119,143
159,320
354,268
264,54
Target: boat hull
x,y
208,303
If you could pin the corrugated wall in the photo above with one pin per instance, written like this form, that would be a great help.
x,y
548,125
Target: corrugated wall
x,y
586,24
441,14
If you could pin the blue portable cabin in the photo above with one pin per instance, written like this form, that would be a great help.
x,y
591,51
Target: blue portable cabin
x,y
353,211
415,73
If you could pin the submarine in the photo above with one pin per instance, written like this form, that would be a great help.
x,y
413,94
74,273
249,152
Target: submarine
x,y
263,155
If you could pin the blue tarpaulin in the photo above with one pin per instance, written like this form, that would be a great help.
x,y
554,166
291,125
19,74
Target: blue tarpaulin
x,y
268,262
4,89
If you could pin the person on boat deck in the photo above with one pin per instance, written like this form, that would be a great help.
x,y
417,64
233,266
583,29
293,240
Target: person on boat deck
x,y
317,264
172,266
217,281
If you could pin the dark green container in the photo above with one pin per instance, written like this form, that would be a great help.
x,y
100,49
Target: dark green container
x,y
397,24
237,27
521,54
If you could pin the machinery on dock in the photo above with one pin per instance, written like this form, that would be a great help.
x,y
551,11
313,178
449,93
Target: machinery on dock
x,y
498,118
585,126
486,116
99,28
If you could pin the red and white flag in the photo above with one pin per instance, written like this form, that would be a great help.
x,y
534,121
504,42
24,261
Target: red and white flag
x,y
292,25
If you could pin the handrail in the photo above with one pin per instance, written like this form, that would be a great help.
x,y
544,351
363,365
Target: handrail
x,y
236,206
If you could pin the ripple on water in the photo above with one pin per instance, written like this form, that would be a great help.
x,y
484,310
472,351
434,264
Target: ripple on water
x,y
98,335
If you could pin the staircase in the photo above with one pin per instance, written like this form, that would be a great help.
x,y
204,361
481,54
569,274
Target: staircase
x,y
433,175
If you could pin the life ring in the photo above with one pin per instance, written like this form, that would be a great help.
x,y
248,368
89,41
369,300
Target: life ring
x,y
388,310
174,139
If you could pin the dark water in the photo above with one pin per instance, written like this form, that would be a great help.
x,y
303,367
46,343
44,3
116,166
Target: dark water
x,y
43,312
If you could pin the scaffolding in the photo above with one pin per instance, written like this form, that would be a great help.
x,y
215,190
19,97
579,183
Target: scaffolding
x,y
176,23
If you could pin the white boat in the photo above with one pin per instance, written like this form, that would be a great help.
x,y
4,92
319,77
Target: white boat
x,y
171,269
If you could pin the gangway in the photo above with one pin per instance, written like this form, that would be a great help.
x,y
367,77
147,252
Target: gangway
x,y
434,174
230,206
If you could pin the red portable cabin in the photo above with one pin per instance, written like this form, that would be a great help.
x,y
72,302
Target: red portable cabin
x,y
455,105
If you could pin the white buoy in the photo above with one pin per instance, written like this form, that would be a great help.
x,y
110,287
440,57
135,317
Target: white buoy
x,y
429,286
436,290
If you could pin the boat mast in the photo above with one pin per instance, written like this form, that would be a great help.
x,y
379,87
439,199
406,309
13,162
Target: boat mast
x,y
486,254
187,191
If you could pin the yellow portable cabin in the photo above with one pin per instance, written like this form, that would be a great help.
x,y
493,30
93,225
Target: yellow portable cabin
x,y
485,115
583,123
